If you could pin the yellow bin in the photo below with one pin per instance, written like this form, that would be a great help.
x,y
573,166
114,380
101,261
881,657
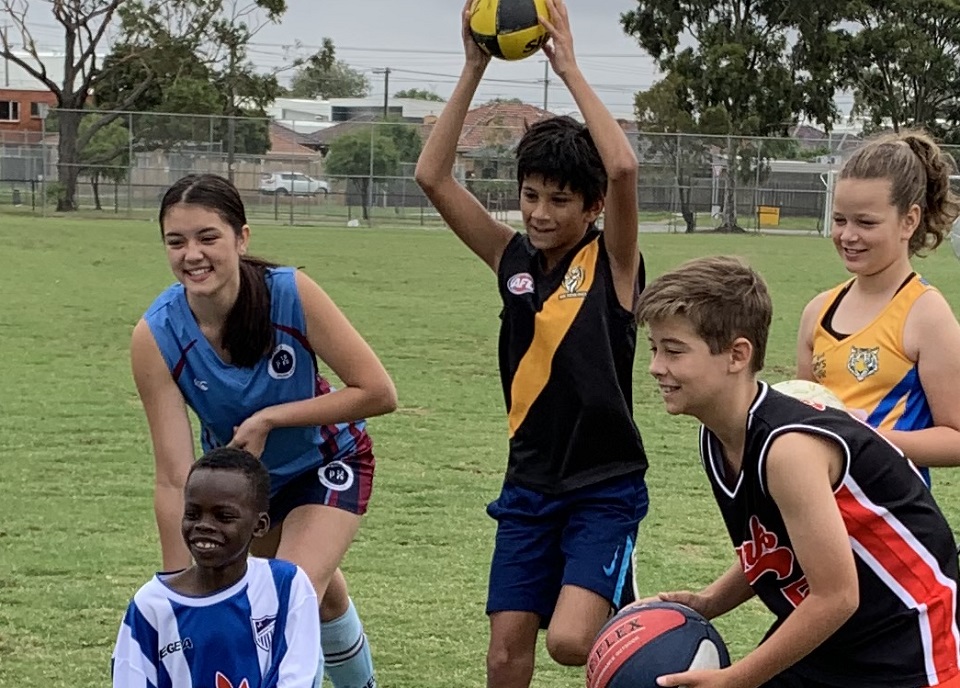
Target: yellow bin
x,y
769,215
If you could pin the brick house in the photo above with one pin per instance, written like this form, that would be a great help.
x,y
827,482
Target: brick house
x,y
20,120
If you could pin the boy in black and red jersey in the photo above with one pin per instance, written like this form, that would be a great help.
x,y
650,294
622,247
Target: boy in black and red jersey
x,y
835,531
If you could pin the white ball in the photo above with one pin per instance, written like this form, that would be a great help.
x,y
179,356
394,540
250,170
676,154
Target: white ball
x,y
811,392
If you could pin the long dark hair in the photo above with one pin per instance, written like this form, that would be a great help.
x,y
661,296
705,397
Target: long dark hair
x,y
247,332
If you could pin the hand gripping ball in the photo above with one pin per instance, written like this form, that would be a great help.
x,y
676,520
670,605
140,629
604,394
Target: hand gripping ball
x,y
509,29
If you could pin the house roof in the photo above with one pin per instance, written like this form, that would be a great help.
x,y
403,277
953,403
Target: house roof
x,y
498,123
285,141
327,134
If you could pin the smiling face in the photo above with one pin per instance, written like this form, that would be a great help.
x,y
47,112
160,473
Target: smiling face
x,y
868,231
554,216
220,518
693,381
689,376
203,250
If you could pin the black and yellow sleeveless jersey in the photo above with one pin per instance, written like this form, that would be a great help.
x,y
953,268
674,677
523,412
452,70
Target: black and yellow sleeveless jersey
x,y
567,349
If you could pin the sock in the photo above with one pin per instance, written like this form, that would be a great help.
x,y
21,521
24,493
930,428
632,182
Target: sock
x,y
346,652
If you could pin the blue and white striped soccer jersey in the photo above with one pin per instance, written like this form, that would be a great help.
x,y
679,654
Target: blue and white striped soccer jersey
x,y
261,632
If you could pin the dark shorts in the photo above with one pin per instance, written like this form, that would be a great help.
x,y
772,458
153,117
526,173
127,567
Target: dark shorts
x,y
584,538
345,484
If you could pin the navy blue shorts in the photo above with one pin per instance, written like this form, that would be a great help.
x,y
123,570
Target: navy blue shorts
x,y
345,484
584,538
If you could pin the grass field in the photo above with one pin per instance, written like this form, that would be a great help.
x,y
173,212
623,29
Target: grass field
x,y
77,535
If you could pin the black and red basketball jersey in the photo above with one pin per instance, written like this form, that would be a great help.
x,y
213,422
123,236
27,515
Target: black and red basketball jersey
x,y
904,632
566,357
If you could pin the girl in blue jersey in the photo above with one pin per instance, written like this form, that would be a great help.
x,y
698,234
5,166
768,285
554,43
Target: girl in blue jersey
x,y
227,621
237,340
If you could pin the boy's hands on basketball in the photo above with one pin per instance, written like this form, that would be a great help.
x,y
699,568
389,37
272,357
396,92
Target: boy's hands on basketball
x,y
702,678
476,58
559,49
698,602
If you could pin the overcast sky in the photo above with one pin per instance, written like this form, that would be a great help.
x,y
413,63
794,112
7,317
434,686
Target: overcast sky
x,y
420,41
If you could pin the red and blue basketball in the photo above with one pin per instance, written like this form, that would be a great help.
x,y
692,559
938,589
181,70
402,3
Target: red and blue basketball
x,y
645,641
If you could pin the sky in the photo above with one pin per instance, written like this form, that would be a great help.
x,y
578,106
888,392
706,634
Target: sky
x,y
419,40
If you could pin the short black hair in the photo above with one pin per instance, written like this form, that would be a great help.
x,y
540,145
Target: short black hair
x,y
561,150
232,459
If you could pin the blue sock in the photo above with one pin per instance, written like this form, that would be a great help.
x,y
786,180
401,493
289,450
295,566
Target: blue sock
x,y
346,652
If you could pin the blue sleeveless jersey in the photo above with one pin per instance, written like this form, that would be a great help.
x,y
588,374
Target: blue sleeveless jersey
x,y
224,395
261,632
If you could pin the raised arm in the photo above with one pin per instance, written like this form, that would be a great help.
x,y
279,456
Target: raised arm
x,y
172,440
619,160
459,208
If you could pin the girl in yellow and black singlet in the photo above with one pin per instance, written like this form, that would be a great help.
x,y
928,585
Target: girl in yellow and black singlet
x,y
886,341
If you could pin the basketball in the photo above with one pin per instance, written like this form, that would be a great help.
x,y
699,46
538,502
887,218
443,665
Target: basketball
x,y
509,29
644,641
810,392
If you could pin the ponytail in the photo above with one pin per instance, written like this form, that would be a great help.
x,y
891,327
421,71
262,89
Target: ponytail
x,y
248,330
941,206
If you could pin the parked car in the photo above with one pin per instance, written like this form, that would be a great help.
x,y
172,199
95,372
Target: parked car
x,y
285,183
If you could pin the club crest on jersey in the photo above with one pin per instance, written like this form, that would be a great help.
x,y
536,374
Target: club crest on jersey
x,y
521,283
762,553
336,476
263,631
283,362
863,363
819,365
572,282
224,682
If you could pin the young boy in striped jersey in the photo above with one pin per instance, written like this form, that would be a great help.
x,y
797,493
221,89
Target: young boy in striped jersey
x,y
227,621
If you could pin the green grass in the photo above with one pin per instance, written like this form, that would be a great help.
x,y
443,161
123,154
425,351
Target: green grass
x,y
77,535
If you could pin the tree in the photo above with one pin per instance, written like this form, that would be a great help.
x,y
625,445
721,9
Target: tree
x,y
106,155
388,143
664,112
144,24
323,76
419,94
188,83
740,69
903,63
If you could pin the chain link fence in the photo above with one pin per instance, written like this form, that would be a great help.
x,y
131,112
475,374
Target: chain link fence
x,y
361,171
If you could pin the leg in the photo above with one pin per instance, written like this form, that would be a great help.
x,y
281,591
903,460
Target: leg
x,y
513,644
316,538
578,618
524,583
320,513
598,578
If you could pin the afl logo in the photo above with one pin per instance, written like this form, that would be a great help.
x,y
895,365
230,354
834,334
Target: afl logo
x,y
521,283
282,362
336,476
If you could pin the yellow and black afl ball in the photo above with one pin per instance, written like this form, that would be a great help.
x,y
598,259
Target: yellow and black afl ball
x,y
509,29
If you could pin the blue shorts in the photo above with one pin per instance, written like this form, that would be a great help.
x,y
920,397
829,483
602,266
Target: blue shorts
x,y
345,484
584,538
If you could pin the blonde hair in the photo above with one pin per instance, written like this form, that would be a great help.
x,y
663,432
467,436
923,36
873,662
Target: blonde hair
x,y
919,173
721,296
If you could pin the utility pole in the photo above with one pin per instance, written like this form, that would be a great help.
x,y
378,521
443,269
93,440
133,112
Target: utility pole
x,y
546,81
386,88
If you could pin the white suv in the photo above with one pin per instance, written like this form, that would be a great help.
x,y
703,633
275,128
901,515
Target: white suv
x,y
285,183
